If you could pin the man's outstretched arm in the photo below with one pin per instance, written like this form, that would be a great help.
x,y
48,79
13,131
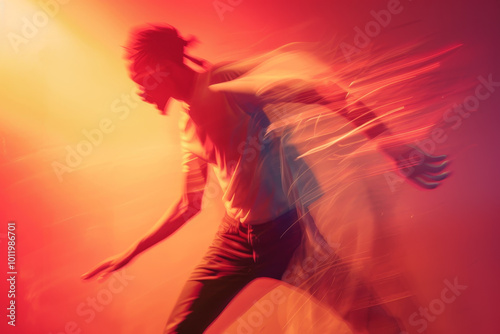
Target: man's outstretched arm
x,y
176,216
426,170
180,213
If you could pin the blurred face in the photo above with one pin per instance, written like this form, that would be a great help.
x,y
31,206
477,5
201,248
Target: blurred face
x,y
155,84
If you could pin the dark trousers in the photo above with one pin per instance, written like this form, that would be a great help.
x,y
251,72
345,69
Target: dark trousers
x,y
239,253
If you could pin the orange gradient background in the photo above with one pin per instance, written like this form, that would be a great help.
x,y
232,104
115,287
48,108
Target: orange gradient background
x,y
69,76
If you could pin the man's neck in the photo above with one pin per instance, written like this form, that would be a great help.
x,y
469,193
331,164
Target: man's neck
x,y
191,78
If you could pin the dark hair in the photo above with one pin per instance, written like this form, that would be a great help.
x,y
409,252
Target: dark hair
x,y
154,44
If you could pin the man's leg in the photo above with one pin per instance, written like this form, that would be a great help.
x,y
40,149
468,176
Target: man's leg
x,y
238,254
225,269
201,302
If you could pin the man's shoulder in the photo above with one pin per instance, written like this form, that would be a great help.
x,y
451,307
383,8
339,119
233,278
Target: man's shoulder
x,y
224,71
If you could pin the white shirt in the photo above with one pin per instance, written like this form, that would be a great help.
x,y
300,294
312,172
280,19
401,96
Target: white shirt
x,y
230,136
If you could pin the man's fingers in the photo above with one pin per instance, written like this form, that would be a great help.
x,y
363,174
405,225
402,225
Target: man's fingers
x,y
425,184
104,276
438,177
95,271
435,158
90,274
428,168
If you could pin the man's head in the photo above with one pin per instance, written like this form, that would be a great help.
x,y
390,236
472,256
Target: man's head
x,y
156,55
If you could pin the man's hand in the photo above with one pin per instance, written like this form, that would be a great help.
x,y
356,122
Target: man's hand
x,y
423,169
107,267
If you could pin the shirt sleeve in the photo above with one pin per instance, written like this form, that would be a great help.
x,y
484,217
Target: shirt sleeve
x,y
195,172
194,168
285,75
